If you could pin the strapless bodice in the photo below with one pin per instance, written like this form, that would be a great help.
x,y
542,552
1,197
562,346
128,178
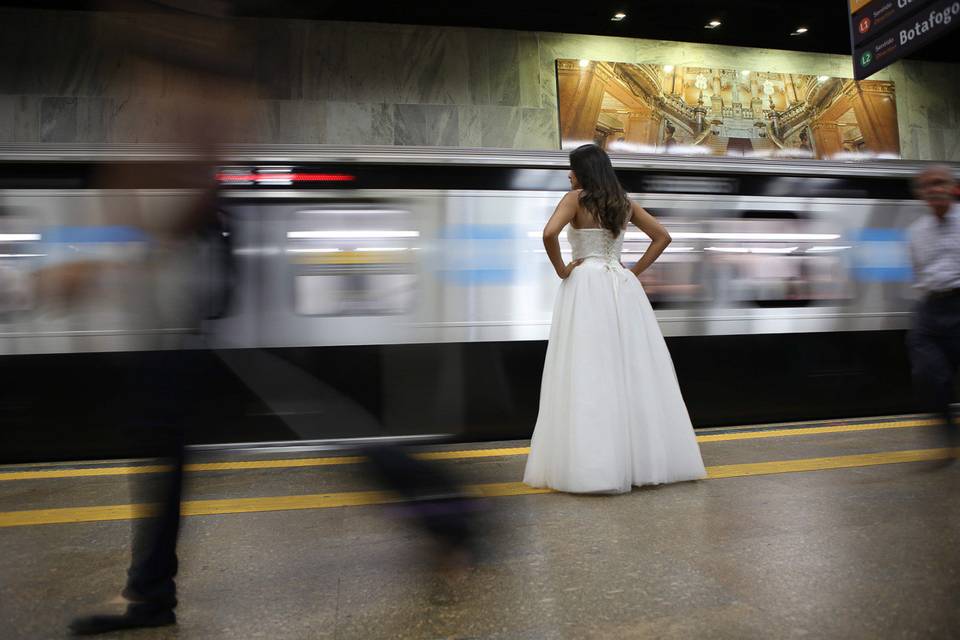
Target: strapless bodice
x,y
595,243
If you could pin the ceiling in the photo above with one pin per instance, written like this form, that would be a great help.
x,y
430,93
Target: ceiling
x,y
749,23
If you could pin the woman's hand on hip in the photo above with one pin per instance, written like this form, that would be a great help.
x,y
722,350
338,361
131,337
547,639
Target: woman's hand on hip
x,y
568,269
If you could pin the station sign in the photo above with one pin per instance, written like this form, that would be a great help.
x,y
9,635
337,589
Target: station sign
x,y
883,31
877,16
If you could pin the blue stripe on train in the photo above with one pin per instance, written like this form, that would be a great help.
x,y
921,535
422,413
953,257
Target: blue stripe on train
x,y
93,234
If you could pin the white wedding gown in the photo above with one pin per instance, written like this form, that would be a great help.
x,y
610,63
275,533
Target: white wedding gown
x,y
611,412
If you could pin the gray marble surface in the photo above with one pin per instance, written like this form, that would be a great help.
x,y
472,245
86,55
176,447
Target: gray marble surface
x,y
470,126
58,120
426,125
19,118
367,83
294,121
359,123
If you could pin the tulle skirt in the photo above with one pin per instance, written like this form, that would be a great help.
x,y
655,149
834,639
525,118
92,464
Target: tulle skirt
x,y
611,412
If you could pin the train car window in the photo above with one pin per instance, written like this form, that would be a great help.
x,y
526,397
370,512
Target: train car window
x,y
353,260
676,279
776,263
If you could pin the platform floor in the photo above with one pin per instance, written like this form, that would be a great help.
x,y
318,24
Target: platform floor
x,y
828,530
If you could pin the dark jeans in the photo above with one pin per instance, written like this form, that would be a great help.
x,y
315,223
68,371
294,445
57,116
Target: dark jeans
x,y
164,389
934,345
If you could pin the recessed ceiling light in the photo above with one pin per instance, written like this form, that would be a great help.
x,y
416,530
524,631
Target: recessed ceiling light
x,y
713,24
584,63
668,68
800,31
618,16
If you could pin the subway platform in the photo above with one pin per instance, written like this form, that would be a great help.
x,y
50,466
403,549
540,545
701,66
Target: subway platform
x,y
845,529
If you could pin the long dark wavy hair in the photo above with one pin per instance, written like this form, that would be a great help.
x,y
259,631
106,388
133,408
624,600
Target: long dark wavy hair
x,y
602,195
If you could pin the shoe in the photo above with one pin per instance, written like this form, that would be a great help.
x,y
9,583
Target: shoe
x,y
102,623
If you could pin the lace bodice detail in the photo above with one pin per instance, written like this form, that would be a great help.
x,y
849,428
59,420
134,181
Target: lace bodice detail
x,y
595,243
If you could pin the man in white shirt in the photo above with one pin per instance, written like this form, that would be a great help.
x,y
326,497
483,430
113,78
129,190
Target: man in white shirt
x,y
934,339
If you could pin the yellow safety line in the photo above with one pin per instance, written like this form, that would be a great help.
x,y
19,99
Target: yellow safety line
x,y
811,431
823,464
462,454
491,490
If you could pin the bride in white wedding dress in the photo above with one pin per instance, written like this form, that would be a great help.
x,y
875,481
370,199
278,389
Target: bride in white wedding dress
x,y
611,412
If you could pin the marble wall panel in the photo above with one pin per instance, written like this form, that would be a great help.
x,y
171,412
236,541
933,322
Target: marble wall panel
x,y
930,96
499,127
431,66
131,123
95,118
503,68
539,130
478,66
352,63
944,144
360,123
325,71
915,142
280,47
44,52
13,52
470,126
528,55
19,118
503,60
547,49
426,125
153,120
294,121
58,120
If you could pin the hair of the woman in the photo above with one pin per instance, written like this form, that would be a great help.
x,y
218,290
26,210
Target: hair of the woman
x,y
602,195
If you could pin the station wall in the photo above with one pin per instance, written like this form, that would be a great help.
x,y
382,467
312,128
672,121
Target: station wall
x,y
359,83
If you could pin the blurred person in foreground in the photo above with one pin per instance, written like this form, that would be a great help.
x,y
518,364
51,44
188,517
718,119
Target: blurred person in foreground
x,y
186,61
934,338
192,55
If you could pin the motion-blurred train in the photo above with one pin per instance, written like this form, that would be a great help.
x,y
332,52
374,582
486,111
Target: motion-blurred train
x,y
411,285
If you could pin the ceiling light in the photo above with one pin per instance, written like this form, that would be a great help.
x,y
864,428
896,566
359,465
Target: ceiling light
x,y
584,63
668,68
801,30
713,24
822,78
618,16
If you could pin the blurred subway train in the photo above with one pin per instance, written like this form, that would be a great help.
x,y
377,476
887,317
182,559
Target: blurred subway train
x,y
410,285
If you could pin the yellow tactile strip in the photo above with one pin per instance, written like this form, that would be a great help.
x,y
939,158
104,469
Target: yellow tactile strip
x,y
463,454
362,498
